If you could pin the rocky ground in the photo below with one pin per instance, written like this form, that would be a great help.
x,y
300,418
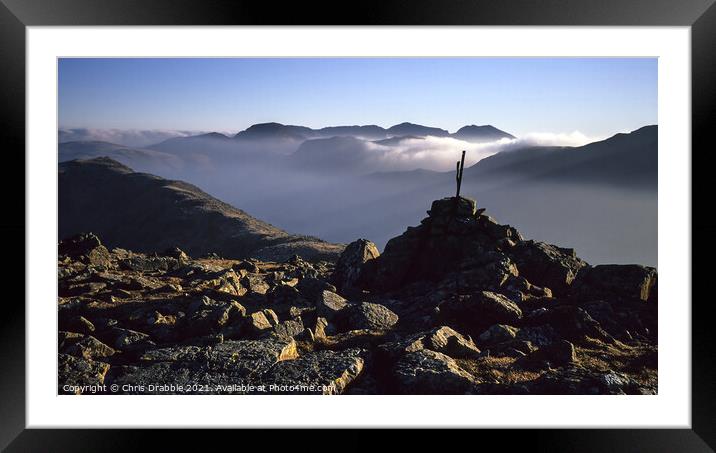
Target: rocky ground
x,y
457,305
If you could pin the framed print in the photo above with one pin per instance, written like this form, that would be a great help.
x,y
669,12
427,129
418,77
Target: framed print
x,y
455,215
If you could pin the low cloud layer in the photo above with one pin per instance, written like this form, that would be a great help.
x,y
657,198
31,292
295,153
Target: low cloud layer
x,y
136,138
441,153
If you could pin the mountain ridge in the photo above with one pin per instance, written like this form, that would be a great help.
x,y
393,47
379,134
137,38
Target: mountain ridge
x,y
148,213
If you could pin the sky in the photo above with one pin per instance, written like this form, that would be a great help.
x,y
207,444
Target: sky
x,y
597,97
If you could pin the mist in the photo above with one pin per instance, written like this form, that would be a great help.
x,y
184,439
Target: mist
x,y
344,188
138,138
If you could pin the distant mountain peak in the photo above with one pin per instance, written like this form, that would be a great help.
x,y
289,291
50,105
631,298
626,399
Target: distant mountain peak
x,y
485,133
416,129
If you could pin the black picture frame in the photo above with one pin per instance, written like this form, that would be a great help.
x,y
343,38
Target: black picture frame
x,y
16,15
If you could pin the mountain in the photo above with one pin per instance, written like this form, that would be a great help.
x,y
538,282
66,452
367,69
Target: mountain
x,y
416,129
370,132
147,213
478,134
339,154
193,143
397,140
146,159
626,160
275,131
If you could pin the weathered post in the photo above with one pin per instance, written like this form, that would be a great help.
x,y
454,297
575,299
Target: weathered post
x,y
458,176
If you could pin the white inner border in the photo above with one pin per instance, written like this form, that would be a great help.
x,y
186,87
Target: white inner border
x,y
670,408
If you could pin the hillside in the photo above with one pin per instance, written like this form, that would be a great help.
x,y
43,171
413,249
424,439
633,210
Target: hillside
x,y
147,213
628,160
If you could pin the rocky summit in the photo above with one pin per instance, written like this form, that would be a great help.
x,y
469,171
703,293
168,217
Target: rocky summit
x,y
459,304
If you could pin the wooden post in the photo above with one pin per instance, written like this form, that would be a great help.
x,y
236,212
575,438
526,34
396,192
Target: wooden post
x,y
458,176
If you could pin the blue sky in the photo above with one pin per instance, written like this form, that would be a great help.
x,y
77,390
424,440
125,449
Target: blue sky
x,y
596,96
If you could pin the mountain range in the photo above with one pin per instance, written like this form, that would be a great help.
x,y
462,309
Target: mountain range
x,y
343,187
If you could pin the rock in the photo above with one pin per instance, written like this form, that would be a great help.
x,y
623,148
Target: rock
x,y
329,304
312,288
541,335
367,316
319,332
248,266
78,375
130,340
289,329
320,372
556,354
576,380
513,348
569,322
271,316
608,281
351,262
282,298
176,253
498,333
208,316
547,265
255,284
427,372
476,312
86,248
87,347
449,342
453,207
440,339
260,322
78,324
363,338
143,263
223,368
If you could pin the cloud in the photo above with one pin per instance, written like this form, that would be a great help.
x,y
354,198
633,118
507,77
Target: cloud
x,y
430,153
128,137
441,153
574,138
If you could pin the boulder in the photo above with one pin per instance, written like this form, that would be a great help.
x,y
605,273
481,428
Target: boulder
x,y
77,375
427,372
312,288
85,346
368,316
351,263
290,328
440,339
540,335
547,265
453,207
577,380
498,333
86,248
129,340
476,312
255,284
610,281
329,304
143,263
78,324
223,368
176,253
320,372
556,354
569,322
